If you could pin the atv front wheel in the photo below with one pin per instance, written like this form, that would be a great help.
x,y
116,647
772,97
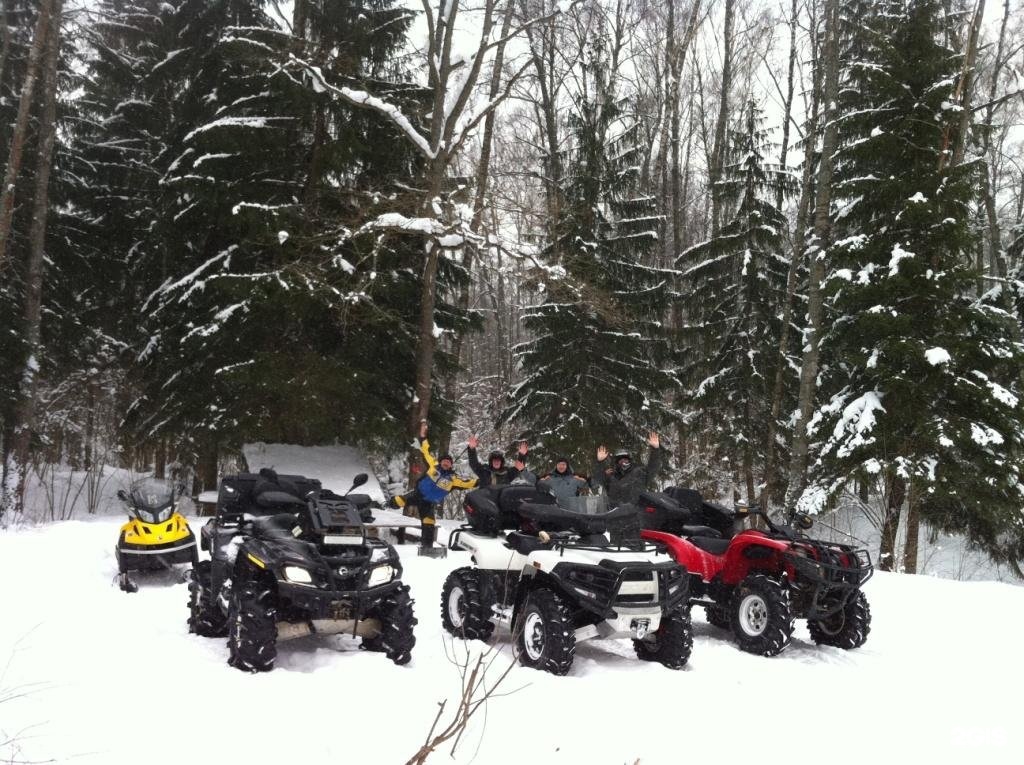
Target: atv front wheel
x,y
718,616
848,628
252,628
671,643
205,617
544,633
396,638
762,619
466,602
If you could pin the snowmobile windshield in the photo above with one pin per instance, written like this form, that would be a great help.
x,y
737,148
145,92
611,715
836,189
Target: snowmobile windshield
x,y
153,500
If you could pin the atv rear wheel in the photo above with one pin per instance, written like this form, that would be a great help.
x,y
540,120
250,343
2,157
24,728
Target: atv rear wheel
x,y
205,617
544,634
718,616
848,628
762,619
671,643
396,638
466,602
252,628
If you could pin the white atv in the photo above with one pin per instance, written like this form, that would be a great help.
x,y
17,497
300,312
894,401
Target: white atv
x,y
553,577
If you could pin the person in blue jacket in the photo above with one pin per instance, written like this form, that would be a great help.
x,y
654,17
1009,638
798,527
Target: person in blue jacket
x,y
431,490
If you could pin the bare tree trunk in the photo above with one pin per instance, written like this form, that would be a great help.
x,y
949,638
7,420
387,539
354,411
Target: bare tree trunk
x,y
25,406
208,467
483,174
718,150
17,149
913,532
955,144
797,241
160,459
997,263
891,523
5,51
816,256
787,111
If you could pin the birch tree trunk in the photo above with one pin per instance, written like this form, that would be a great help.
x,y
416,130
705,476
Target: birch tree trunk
x,y
24,409
17,148
815,254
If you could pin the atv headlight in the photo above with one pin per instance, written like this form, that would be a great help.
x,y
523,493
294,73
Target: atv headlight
x,y
380,554
381,575
298,575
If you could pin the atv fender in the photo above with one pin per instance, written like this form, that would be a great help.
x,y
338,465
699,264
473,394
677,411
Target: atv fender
x,y
684,552
754,551
527,581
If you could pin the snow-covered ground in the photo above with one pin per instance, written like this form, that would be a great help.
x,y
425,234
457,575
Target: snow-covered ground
x,y
92,675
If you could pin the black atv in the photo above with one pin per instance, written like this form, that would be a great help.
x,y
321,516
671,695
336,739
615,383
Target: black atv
x,y
289,559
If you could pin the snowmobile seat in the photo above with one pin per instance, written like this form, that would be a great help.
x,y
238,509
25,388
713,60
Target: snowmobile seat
x,y
713,546
686,498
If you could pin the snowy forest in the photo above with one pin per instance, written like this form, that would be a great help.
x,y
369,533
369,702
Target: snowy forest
x,y
787,235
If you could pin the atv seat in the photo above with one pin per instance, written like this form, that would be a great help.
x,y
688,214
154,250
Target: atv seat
x,y
700,531
713,546
273,525
241,493
701,511
492,510
551,517
660,512
524,544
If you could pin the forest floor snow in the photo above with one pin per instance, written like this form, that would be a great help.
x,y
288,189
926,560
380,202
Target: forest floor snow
x,y
89,674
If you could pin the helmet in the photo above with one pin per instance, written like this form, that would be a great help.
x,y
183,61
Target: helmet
x,y
623,461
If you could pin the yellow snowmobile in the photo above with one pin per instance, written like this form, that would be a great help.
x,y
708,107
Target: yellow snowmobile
x,y
156,536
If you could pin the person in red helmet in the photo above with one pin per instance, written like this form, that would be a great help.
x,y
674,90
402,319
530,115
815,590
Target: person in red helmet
x,y
496,472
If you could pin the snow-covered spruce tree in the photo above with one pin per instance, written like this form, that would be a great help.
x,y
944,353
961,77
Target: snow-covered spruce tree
x,y
595,369
105,192
921,379
733,287
273,321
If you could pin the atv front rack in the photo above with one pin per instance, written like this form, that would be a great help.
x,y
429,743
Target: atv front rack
x,y
829,582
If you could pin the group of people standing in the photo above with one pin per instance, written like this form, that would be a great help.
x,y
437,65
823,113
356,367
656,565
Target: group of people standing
x,y
613,474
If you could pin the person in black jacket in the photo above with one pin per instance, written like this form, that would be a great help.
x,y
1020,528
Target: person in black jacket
x,y
620,479
496,472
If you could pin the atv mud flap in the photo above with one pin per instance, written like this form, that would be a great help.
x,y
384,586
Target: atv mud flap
x,y
636,624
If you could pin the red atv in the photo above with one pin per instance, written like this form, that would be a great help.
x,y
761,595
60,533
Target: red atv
x,y
757,582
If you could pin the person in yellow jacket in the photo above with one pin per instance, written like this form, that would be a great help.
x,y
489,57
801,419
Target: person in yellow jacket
x,y
432,488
